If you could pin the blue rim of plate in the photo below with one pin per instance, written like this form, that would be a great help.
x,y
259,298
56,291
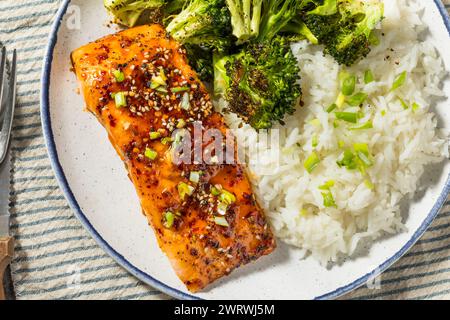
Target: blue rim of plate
x,y
63,183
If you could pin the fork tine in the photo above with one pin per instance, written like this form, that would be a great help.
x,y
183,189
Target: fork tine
x,y
9,110
2,76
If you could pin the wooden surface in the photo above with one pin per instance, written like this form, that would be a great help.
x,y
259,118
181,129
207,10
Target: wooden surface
x,y
6,255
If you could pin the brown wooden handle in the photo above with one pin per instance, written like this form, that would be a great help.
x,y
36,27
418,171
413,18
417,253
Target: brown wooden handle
x,y
6,255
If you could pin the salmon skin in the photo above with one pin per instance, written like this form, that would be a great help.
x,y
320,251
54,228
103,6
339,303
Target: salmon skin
x,y
205,216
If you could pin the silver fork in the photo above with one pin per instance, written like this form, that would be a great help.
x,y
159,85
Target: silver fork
x,y
7,104
7,100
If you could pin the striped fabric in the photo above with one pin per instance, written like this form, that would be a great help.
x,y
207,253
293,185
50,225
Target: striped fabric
x,y
57,259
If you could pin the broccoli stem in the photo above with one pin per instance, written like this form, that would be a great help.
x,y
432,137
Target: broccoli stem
x,y
128,12
277,16
246,10
240,28
256,17
221,79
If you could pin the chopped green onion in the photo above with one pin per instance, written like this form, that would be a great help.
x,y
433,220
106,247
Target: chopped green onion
x,y
227,197
311,162
328,199
362,151
120,99
166,140
360,114
383,113
194,176
363,147
368,76
347,116
222,208
348,85
185,190
327,185
162,74
357,99
341,144
161,89
221,221
364,158
415,107
158,80
315,141
169,218
361,159
215,191
151,154
340,100
185,104
347,161
181,124
155,135
118,75
399,81
364,126
342,75
335,124
332,107
404,105
179,89
154,85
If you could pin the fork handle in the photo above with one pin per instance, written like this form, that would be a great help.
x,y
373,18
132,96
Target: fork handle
x,y
6,256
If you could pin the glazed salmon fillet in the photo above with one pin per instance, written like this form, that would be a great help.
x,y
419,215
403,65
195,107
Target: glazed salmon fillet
x,y
204,213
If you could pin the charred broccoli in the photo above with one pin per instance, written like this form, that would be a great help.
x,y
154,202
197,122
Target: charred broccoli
x,y
128,12
203,22
344,27
260,83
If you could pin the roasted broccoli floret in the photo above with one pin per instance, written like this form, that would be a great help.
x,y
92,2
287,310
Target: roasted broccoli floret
x,y
344,27
128,12
261,19
276,15
297,30
203,22
260,83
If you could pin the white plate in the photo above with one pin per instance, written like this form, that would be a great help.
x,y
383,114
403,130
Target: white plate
x,y
96,185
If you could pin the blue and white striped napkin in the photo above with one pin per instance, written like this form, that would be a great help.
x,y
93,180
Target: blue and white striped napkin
x,y
57,259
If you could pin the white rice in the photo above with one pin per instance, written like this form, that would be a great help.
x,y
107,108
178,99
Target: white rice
x,y
402,143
